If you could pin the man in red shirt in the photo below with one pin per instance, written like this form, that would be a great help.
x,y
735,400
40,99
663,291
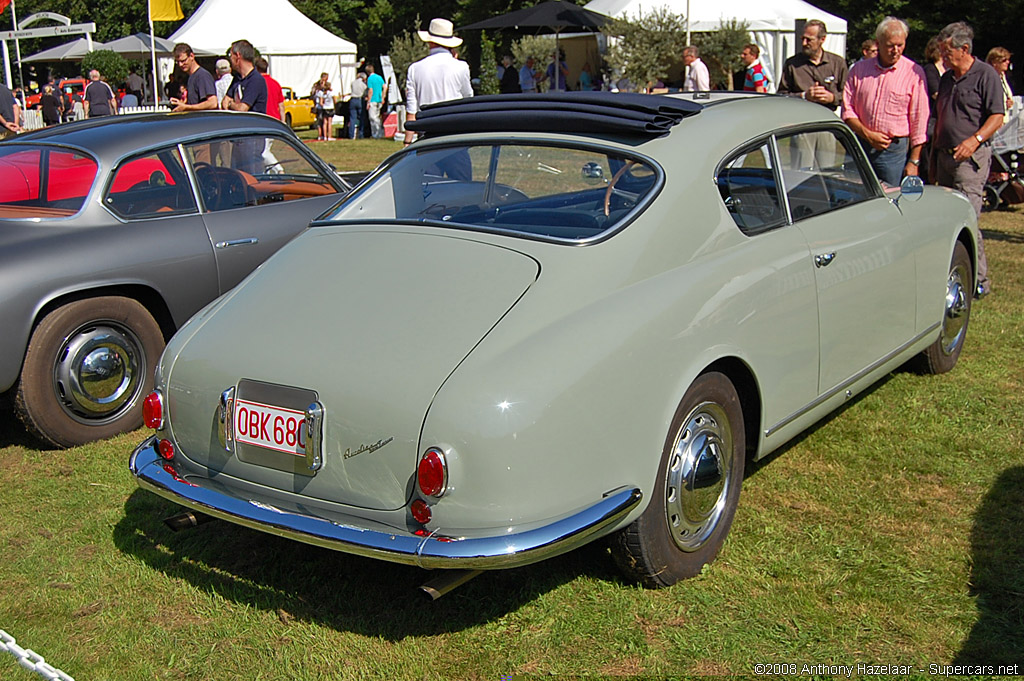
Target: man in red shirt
x,y
885,101
275,96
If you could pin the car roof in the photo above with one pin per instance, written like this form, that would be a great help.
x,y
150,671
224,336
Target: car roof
x,y
112,137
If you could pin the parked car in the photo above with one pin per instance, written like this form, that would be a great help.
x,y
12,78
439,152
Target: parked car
x,y
73,89
559,317
114,231
298,111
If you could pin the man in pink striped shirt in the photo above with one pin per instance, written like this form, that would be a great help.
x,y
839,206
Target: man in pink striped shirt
x,y
885,101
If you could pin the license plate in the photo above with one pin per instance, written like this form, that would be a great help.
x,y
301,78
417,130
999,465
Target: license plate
x,y
270,427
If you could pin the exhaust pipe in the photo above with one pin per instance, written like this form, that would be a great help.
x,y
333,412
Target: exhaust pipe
x,y
187,520
447,580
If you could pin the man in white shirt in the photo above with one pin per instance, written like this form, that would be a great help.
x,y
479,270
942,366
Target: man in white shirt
x,y
698,79
223,78
439,76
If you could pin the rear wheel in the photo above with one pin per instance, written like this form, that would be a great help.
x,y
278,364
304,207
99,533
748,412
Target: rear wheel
x,y
942,355
288,119
696,492
86,370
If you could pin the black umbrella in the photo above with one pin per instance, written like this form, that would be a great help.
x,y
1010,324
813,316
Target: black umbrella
x,y
555,15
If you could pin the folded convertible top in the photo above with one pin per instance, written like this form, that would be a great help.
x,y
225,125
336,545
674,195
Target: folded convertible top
x,y
618,113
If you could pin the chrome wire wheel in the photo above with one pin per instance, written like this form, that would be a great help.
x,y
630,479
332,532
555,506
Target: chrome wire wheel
x,y
697,479
954,321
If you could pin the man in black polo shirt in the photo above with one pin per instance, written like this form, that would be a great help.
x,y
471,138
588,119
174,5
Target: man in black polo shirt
x,y
202,89
248,90
969,110
98,99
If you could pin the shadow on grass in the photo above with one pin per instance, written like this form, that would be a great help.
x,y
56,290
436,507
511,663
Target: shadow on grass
x,y
12,431
999,235
997,576
338,590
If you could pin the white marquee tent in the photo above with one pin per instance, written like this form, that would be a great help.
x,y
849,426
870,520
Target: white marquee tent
x,y
772,24
296,48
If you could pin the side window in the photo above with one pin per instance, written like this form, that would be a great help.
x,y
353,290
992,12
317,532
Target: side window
x,y
748,187
151,186
253,170
820,173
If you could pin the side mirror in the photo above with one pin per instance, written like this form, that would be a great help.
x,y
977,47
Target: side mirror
x,y
912,187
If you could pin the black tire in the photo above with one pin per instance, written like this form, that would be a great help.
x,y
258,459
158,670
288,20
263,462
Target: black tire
x,y
942,355
696,492
288,119
88,366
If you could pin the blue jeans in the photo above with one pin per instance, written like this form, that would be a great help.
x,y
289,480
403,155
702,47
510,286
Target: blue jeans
x,y
889,163
355,115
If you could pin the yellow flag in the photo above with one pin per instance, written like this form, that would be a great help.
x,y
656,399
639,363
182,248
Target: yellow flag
x,y
165,10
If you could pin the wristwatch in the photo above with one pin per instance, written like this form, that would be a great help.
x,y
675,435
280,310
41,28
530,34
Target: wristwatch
x,y
915,161
981,140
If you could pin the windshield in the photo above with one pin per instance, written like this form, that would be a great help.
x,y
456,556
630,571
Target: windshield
x,y
43,182
559,192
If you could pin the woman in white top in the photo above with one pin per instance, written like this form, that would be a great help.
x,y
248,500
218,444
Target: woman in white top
x,y
325,110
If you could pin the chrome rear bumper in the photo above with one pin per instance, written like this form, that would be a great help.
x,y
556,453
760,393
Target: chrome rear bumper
x,y
506,548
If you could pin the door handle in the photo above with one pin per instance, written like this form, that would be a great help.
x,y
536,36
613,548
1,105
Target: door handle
x,y
237,242
824,259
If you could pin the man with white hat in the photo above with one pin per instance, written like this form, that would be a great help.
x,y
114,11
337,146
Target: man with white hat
x,y
439,76
223,78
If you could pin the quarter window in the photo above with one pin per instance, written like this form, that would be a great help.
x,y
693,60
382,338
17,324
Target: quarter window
x,y
750,191
43,182
820,173
153,185
252,171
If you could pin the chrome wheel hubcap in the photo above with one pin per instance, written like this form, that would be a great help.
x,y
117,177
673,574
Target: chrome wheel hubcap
x,y
954,321
96,376
698,477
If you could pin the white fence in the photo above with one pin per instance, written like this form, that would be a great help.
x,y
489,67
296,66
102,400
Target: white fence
x,y
32,119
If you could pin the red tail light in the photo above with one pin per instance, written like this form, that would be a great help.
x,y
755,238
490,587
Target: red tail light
x,y
432,474
153,410
166,449
420,511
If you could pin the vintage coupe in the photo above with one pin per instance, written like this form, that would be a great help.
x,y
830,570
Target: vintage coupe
x,y
114,231
555,318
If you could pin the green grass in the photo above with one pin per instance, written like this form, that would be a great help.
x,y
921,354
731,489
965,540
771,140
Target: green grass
x,y
893,533
346,154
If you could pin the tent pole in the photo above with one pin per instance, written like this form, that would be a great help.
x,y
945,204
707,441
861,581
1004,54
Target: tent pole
x,y
152,54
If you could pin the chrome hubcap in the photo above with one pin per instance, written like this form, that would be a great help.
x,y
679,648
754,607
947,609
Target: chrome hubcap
x,y
954,321
97,373
698,477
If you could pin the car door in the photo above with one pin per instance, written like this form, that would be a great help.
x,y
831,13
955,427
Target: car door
x,y
257,192
863,255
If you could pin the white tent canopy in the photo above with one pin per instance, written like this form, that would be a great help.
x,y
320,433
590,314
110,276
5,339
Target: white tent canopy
x,y
772,24
297,49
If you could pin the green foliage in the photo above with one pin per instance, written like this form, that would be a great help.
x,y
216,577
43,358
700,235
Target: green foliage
x,y
406,48
112,66
720,50
489,59
647,46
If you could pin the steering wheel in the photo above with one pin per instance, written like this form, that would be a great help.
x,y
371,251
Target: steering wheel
x,y
209,186
611,188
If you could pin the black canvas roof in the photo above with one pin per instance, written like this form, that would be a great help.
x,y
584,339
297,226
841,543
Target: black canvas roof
x,y
590,112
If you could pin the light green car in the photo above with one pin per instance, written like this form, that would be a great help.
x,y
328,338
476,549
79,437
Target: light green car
x,y
513,340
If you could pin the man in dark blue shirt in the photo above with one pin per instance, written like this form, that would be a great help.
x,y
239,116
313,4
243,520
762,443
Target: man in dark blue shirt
x,y
202,89
248,90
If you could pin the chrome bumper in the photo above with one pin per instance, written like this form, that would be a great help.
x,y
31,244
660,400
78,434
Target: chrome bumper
x,y
505,549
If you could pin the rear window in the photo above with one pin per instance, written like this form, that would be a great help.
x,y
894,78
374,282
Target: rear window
x,y
557,192
43,181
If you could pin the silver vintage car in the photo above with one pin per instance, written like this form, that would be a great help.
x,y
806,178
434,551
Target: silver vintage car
x,y
114,231
556,318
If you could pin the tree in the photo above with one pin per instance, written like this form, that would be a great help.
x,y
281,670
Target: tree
x,y
405,49
538,47
488,66
721,49
112,66
646,46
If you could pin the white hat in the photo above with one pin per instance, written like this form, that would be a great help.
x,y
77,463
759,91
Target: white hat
x,y
223,65
441,32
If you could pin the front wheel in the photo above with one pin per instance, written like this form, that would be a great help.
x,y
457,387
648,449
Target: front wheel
x,y
696,492
86,370
942,355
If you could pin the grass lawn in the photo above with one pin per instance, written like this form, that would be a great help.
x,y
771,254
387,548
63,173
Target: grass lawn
x,y
892,534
